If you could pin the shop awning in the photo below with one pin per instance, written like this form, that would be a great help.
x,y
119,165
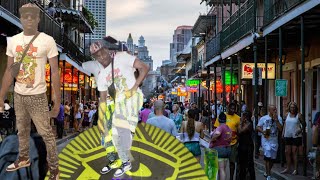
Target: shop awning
x,y
72,15
213,60
243,43
65,57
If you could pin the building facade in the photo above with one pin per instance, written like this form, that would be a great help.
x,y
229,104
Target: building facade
x,y
180,39
99,10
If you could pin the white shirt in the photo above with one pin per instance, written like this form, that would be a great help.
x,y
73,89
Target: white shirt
x,y
31,78
267,122
292,126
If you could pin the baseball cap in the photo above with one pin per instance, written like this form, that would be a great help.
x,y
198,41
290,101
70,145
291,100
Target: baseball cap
x,y
222,118
29,7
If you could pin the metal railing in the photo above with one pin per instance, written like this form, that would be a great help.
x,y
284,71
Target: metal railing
x,y
47,24
213,47
274,10
239,24
73,50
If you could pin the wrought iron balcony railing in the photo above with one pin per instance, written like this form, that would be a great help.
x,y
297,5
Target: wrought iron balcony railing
x,y
213,47
239,24
47,24
73,50
274,9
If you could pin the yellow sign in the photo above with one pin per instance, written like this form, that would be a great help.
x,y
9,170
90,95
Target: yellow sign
x,y
182,91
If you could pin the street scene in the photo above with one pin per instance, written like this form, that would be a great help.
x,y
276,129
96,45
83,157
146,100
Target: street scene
x,y
171,89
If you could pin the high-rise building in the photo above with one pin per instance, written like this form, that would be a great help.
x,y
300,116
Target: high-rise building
x,y
130,44
181,37
99,9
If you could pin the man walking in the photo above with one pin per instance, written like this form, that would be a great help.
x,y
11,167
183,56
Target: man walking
x,y
30,99
270,125
161,121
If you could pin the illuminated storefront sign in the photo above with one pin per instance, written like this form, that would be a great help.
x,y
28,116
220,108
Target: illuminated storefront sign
x,y
247,70
193,82
182,91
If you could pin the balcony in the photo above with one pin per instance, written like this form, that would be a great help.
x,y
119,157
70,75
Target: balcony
x,y
203,24
213,47
47,24
238,25
194,70
73,50
218,2
274,10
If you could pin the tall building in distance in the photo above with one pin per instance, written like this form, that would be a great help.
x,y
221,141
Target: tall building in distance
x,y
99,9
181,37
140,50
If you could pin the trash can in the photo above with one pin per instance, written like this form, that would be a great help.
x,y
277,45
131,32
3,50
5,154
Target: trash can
x,y
211,165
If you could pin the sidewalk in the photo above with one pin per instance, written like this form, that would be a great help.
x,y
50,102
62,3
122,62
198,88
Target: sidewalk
x,y
276,169
69,135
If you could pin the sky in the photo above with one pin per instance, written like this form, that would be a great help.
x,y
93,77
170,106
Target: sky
x,y
156,20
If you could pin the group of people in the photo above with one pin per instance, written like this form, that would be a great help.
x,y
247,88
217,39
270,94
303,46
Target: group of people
x,y
79,117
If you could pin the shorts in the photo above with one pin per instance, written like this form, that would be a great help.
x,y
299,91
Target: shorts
x,y
270,150
193,147
224,152
234,153
293,141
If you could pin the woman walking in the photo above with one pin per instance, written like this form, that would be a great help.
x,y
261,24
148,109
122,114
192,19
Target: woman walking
x,y
192,131
246,148
220,141
176,116
292,134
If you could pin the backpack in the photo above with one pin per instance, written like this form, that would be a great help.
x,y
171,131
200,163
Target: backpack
x,y
9,150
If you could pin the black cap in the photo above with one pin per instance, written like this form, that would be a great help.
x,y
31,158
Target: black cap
x,y
222,118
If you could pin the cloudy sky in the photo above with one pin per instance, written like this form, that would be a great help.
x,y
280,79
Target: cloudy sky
x,y
156,20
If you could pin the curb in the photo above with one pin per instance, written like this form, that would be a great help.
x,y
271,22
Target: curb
x,y
66,139
274,174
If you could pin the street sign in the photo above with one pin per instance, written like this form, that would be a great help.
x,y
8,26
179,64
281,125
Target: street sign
x,y
281,87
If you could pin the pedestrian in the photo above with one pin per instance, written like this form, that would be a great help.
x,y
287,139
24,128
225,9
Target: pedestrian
x,y
246,148
67,111
261,113
145,113
78,114
60,122
205,115
91,114
221,139
198,112
270,125
51,10
116,78
192,131
162,121
85,122
30,99
292,134
176,116
233,122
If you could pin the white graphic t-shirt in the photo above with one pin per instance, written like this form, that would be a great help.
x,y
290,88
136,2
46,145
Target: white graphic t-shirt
x,y
31,77
267,122
93,67
123,74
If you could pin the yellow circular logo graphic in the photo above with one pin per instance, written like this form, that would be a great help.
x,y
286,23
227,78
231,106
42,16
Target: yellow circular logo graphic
x,y
157,155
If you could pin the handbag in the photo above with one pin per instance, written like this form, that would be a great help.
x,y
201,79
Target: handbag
x,y
111,88
15,67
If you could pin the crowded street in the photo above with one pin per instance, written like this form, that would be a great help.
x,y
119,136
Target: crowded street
x,y
140,89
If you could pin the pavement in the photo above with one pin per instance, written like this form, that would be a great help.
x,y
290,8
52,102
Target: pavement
x,y
276,169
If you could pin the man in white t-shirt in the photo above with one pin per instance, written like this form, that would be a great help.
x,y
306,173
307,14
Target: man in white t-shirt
x,y
119,90
270,125
30,99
